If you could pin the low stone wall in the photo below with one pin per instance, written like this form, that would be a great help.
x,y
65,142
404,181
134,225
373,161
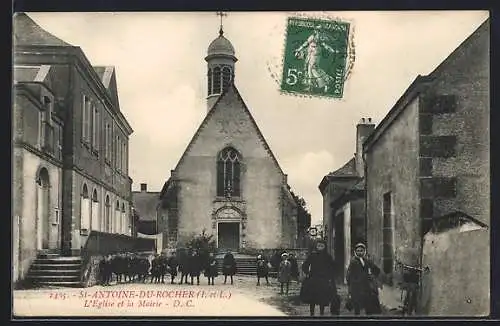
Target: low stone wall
x,y
99,244
91,271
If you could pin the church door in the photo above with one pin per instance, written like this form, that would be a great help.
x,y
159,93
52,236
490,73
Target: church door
x,y
228,236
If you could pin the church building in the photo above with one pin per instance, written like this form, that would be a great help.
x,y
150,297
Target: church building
x,y
228,182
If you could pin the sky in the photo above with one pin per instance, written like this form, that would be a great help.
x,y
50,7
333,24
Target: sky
x,y
161,77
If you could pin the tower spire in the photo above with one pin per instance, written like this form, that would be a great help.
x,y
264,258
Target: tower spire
x,y
221,14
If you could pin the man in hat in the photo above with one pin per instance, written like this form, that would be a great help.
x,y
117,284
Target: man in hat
x,y
361,282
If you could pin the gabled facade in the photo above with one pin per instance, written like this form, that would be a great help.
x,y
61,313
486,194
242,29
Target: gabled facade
x,y
228,181
229,178
343,194
70,147
430,156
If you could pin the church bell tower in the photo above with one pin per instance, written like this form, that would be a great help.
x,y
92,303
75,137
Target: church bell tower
x,y
220,66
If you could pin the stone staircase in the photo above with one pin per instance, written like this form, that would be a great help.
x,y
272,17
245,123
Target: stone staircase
x,y
245,265
51,269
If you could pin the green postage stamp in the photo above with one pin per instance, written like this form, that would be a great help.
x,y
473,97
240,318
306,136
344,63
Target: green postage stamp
x,y
316,57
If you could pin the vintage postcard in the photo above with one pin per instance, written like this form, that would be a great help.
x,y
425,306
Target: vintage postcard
x,y
243,164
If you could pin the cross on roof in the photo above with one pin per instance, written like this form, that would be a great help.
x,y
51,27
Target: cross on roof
x,y
221,14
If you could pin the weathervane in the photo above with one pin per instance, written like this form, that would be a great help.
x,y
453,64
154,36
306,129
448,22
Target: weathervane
x,y
221,14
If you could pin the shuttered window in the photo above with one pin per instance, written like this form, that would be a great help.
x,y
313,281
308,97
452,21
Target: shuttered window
x,y
387,234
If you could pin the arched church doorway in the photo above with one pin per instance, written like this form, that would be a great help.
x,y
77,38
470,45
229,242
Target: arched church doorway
x,y
228,236
43,209
228,229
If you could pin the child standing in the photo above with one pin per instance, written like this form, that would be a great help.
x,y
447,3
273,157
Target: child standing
x,y
211,270
284,273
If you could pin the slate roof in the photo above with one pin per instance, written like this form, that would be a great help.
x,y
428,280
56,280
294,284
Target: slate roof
x,y
25,73
144,204
348,169
27,32
105,73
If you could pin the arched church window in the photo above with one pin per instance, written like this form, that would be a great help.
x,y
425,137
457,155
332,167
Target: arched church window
x,y
226,77
210,72
217,80
228,173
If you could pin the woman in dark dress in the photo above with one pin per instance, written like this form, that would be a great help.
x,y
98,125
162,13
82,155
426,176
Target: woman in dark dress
x,y
319,286
211,269
262,269
184,265
362,282
195,266
172,264
228,266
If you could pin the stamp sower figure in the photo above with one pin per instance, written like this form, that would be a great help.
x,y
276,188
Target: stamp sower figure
x,y
228,266
195,266
284,273
319,286
172,264
211,269
314,76
262,269
361,282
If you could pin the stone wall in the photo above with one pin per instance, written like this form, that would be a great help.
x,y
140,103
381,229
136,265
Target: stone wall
x,y
458,283
392,166
261,180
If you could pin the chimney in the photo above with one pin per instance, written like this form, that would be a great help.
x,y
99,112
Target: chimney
x,y
363,129
144,187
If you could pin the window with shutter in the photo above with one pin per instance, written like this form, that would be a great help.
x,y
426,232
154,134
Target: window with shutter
x,y
95,127
438,146
217,81
439,104
226,77
387,234
210,79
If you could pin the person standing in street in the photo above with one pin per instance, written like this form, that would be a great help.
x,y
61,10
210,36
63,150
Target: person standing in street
x,y
211,269
172,264
284,273
318,288
262,269
295,267
195,266
362,283
228,266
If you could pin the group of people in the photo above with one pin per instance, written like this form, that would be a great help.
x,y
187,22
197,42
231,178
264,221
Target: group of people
x,y
128,267
319,287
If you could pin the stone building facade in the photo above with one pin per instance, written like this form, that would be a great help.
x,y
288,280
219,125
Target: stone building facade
x,y
228,182
70,147
343,192
430,156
